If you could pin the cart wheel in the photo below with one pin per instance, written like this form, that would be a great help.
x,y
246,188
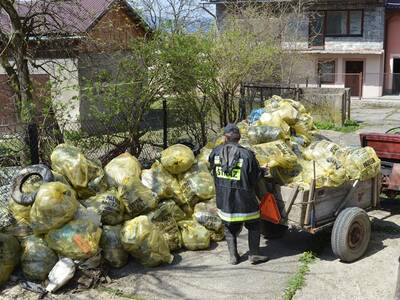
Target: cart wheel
x,y
272,231
351,234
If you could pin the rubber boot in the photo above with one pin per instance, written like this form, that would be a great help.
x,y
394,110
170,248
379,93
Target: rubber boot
x,y
232,247
254,248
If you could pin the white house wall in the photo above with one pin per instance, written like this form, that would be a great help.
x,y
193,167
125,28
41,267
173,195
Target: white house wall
x,y
65,90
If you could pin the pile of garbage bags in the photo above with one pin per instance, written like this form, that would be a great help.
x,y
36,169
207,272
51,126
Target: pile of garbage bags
x,y
78,213
282,136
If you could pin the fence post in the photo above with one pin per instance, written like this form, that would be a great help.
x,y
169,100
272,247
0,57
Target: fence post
x,y
242,103
33,142
165,123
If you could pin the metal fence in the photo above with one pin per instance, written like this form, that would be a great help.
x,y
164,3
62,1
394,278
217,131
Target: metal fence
x,y
22,144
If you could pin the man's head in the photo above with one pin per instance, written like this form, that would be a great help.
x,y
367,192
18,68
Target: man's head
x,y
231,133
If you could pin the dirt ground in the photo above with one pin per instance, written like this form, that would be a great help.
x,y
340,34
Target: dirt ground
x,y
206,274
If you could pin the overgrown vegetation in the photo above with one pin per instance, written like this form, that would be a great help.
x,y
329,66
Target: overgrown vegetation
x,y
297,281
348,126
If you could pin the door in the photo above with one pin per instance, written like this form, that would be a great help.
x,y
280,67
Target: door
x,y
396,76
354,77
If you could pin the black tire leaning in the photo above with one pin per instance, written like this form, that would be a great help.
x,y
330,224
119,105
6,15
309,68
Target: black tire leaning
x,y
271,231
28,198
351,222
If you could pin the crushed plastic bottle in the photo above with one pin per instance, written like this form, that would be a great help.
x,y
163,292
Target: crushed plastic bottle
x,y
61,273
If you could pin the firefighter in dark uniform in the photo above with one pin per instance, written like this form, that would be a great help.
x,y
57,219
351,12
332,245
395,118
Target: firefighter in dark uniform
x,y
236,172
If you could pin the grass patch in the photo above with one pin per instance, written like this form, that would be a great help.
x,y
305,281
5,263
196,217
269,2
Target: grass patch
x,y
349,126
297,281
118,292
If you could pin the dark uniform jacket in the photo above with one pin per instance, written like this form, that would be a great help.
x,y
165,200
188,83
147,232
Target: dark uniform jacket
x,y
236,198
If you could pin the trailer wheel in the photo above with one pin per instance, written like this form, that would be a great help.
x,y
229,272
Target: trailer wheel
x,y
351,234
272,231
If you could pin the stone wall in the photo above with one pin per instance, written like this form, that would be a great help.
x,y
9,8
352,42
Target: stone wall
x,y
327,104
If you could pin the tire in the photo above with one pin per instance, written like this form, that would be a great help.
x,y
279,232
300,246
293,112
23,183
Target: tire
x,y
28,198
351,234
272,231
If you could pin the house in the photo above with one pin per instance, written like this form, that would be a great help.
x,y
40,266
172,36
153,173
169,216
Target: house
x,y
348,43
92,30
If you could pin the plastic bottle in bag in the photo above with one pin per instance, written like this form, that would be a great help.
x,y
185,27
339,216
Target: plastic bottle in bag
x,y
274,120
113,250
360,163
275,154
61,273
320,149
177,159
37,258
108,206
70,162
264,134
137,198
194,235
96,180
197,184
121,168
206,214
144,242
160,181
55,204
78,239
9,256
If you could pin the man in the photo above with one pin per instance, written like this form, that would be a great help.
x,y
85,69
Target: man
x,y
236,172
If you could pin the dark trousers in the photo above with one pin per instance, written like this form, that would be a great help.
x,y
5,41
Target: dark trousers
x,y
234,228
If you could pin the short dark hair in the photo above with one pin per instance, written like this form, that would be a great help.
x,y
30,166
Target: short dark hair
x,y
232,137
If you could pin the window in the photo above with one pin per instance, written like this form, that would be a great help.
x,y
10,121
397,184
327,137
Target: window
x,y
326,71
344,23
316,30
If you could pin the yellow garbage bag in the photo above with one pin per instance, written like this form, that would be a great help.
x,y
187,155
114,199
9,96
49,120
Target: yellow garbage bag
x,y
55,204
206,214
160,181
217,236
197,184
264,134
274,119
78,239
243,127
194,235
113,250
145,242
108,206
136,198
21,214
96,181
360,163
304,125
166,210
329,173
204,156
320,149
276,101
121,168
287,113
177,159
37,258
9,258
168,226
275,154
70,162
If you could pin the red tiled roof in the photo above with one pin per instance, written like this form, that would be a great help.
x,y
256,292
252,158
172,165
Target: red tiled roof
x,y
63,16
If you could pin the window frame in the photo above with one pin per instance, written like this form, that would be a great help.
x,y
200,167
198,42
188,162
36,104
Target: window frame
x,y
320,75
347,25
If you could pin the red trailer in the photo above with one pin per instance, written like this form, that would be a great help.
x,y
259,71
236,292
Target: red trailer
x,y
387,147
